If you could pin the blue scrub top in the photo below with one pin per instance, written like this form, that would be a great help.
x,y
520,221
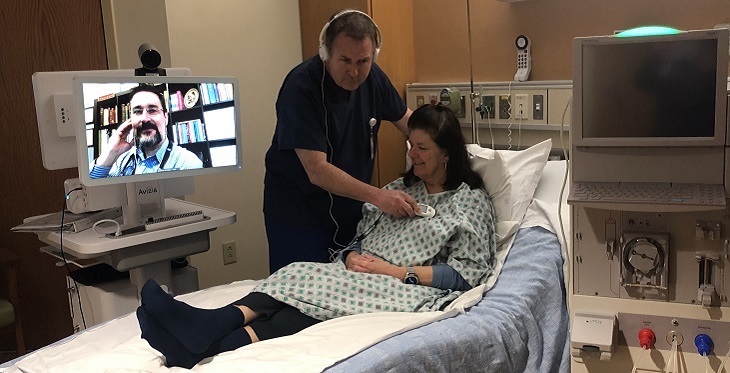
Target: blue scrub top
x,y
289,198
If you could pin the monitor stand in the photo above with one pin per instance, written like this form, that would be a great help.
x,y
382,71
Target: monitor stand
x,y
146,254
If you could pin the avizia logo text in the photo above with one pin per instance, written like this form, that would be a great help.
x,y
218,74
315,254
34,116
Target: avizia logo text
x,y
147,191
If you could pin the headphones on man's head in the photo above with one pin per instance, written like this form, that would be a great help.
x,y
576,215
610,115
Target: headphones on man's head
x,y
324,54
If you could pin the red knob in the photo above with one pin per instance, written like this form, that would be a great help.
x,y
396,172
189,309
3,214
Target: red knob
x,y
646,338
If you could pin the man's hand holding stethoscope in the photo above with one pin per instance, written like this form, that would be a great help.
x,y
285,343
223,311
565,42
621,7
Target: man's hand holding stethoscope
x,y
119,142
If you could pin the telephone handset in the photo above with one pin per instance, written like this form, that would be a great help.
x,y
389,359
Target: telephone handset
x,y
524,60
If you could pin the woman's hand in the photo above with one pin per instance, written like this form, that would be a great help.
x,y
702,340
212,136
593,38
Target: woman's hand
x,y
366,263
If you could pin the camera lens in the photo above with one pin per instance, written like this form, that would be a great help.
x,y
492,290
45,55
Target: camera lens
x,y
149,56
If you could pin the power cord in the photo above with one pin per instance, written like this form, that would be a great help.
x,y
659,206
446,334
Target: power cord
x,y
636,366
117,232
724,360
65,261
509,116
562,191
672,359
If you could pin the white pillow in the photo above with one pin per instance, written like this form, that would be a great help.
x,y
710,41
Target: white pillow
x,y
510,178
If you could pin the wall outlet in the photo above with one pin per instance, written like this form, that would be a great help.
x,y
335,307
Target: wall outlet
x,y
538,107
520,108
489,107
229,252
504,107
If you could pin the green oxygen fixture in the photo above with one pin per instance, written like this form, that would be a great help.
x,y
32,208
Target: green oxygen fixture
x,y
648,31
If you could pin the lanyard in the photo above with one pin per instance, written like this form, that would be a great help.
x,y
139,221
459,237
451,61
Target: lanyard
x,y
134,157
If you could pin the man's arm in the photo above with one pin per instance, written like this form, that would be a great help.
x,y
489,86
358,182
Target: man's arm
x,y
402,123
330,178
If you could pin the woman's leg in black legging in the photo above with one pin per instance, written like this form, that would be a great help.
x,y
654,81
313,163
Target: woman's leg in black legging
x,y
269,318
287,321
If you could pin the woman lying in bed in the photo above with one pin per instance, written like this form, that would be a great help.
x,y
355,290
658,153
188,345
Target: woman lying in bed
x,y
394,265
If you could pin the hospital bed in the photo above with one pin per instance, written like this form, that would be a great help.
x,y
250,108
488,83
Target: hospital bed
x,y
520,324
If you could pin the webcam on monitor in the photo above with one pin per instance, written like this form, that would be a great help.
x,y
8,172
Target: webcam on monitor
x,y
151,60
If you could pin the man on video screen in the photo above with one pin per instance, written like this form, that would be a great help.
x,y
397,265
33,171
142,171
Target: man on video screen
x,y
148,150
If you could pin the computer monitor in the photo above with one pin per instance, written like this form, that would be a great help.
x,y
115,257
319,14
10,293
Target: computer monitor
x,y
53,93
79,111
143,131
149,128
650,91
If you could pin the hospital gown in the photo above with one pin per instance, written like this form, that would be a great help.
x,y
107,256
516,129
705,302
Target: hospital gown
x,y
461,234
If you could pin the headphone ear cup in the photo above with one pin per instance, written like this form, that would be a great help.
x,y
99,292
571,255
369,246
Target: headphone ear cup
x,y
323,52
323,55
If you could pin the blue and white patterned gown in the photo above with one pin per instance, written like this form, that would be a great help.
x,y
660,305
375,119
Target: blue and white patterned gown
x,y
461,234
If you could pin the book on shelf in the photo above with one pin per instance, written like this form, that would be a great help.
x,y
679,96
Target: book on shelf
x,y
180,104
108,116
189,131
216,92
172,102
102,140
125,112
71,222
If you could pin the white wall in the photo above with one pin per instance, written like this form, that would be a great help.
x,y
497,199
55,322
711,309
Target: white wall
x,y
131,23
256,41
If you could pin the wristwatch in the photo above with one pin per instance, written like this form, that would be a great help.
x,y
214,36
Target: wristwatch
x,y
411,277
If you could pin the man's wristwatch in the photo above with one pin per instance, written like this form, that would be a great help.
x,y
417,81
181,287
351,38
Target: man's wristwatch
x,y
411,277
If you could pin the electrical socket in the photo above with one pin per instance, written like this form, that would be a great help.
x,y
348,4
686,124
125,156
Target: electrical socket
x,y
504,106
489,104
672,335
229,252
537,107
521,107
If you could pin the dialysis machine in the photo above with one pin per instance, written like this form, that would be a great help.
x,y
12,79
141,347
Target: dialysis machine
x,y
650,154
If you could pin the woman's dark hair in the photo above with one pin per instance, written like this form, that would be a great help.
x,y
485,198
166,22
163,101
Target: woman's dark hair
x,y
441,124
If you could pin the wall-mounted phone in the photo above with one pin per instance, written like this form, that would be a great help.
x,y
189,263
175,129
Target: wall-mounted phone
x,y
524,60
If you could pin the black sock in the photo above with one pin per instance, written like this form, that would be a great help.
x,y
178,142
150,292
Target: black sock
x,y
195,328
176,355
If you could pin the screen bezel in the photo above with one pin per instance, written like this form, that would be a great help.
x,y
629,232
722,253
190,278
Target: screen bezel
x,y
81,143
721,75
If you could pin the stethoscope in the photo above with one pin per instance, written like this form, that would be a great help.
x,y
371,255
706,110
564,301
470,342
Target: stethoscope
x,y
134,157
358,239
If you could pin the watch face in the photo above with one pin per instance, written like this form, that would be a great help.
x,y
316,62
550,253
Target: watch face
x,y
411,280
191,97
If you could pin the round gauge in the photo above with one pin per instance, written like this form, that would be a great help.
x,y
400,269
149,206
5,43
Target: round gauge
x,y
521,42
645,255
191,98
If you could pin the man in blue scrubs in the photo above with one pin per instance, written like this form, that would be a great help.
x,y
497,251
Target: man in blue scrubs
x,y
321,158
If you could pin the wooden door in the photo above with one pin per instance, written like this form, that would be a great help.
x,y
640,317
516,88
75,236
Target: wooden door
x,y
38,35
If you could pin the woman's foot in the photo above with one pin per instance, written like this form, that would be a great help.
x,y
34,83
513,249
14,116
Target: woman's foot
x,y
176,355
195,328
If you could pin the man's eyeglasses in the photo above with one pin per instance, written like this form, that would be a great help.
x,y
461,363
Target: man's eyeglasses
x,y
151,110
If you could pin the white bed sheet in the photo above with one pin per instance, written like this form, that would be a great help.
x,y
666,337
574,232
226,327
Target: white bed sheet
x,y
116,346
